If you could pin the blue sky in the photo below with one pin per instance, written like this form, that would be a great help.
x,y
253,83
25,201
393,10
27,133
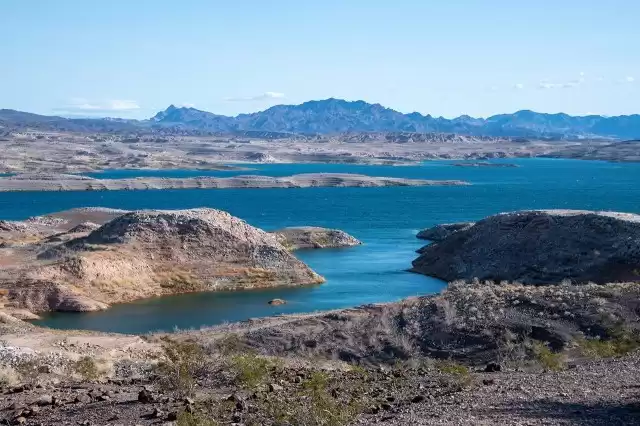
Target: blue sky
x,y
133,58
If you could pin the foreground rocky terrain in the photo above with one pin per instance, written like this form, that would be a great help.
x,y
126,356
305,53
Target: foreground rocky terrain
x,y
479,353
539,247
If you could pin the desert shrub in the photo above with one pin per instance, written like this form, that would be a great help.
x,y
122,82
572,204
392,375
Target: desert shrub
x,y
548,359
620,343
456,375
30,369
231,344
194,419
314,404
8,377
250,369
87,368
183,361
451,367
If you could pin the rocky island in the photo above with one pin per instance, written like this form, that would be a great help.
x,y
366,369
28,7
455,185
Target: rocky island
x,y
539,247
65,182
311,237
137,255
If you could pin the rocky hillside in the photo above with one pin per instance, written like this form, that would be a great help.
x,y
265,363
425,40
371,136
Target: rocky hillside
x,y
149,253
539,247
311,237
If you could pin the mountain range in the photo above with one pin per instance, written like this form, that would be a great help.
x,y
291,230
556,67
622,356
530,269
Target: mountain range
x,y
335,116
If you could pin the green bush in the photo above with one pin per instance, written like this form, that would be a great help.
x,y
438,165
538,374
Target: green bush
x,y
548,359
619,344
457,375
251,370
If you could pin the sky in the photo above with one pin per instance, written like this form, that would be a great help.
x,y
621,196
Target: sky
x,y
126,58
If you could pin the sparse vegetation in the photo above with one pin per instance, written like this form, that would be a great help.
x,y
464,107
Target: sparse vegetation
x,y
619,344
191,419
29,370
549,360
8,377
457,375
87,368
251,370
315,403
231,344
183,362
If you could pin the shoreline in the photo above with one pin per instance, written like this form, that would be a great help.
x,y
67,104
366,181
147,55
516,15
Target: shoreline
x,y
39,182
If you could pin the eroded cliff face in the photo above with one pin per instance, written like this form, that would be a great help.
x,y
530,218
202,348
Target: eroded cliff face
x,y
539,247
149,253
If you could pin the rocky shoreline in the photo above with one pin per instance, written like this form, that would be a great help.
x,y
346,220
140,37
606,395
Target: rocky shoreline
x,y
38,182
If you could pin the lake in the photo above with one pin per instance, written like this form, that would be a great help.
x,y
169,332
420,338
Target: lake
x,y
385,219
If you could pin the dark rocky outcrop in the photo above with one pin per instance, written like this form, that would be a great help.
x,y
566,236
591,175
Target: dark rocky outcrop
x,y
440,232
539,247
303,237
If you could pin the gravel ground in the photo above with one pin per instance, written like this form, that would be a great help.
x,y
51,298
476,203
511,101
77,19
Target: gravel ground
x,y
596,393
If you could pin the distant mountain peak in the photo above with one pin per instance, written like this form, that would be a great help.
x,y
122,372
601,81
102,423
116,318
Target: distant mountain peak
x,y
334,116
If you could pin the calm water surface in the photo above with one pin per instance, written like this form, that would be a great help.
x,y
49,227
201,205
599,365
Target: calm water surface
x,y
385,219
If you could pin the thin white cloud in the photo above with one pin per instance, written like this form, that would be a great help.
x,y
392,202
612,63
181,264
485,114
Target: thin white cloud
x,y
518,86
261,97
547,85
629,79
81,106
544,84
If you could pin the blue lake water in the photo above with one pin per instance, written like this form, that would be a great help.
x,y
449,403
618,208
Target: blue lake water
x,y
385,219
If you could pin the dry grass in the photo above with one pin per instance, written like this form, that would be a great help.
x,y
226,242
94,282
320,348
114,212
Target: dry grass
x,y
8,377
87,368
191,419
183,361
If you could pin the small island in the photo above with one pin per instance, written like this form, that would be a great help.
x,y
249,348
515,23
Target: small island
x,y
310,237
66,182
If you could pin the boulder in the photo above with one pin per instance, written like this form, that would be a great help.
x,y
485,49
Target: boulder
x,y
539,247
277,302
305,237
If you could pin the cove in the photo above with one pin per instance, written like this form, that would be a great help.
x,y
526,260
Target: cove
x,y
385,219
